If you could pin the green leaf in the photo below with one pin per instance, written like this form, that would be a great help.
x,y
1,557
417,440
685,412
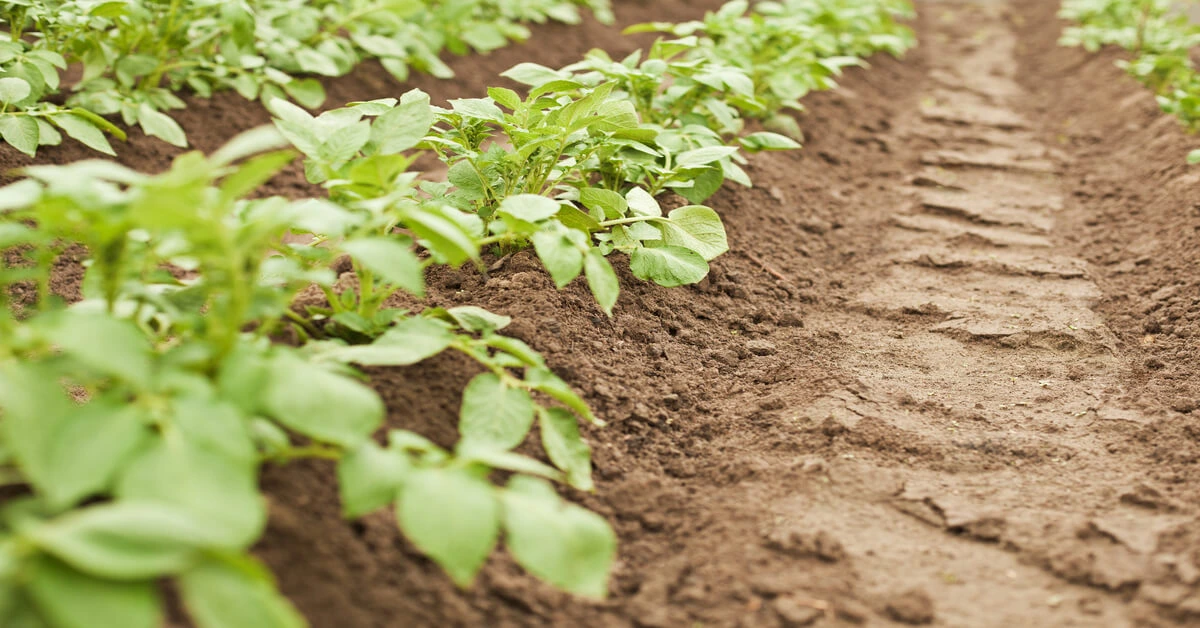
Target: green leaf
x,y
768,141
506,460
479,108
218,425
18,195
13,90
696,228
345,143
87,449
254,172
390,260
123,540
235,592
495,414
34,409
21,132
409,342
105,344
242,377
484,37
478,320
505,96
256,141
529,207
573,218
516,348
533,74
307,92
453,516
703,156
99,122
561,543
162,126
602,280
566,448
443,236
668,266
1193,157
217,492
312,61
612,205
546,382
403,127
289,112
462,175
319,404
84,131
642,204
369,478
559,255
70,599
704,185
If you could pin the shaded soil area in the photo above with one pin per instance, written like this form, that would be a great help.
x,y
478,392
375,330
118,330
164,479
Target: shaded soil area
x,y
947,374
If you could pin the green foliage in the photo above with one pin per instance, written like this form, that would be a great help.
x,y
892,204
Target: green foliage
x,y
139,418
1160,38
536,191
137,55
792,47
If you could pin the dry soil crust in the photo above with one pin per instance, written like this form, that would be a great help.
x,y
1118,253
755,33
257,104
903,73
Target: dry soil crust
x,y
946,375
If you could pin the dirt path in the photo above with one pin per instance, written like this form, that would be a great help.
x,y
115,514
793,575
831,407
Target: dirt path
x,y
976,352
932,383
987,484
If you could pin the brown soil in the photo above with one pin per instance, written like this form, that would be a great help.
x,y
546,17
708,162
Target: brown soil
x,y
947,374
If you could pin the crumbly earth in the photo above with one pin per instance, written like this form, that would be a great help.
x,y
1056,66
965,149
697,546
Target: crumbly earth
x,y
947,374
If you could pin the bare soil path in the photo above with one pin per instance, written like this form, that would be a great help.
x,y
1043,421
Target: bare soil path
x,y
975,350
947,375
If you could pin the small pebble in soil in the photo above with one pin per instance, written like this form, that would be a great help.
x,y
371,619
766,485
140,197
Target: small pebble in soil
x,y
853,612
912,607
761,347
795,613
814,465
1185,406
790,319
796,542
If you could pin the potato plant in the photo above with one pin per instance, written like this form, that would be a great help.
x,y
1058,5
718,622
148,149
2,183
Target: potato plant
x,y
161,395
1160,38
793,47
134,423
136,56
537,192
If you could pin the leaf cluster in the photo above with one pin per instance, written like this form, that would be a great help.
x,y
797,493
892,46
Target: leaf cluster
x,y
137,55
792,47
139,418
1160,38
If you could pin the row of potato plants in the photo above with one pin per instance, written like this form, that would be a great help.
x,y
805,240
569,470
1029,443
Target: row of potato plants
x,y
1160,37
134,423
135,55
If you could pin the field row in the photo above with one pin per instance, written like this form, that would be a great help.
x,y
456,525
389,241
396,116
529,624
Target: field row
x,y
1160,39
139,418
135,56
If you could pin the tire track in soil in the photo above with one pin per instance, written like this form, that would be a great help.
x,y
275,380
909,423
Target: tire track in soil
x,y
979,487
938,447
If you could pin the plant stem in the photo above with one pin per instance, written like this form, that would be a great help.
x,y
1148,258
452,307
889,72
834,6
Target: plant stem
x,y
630,221
319,452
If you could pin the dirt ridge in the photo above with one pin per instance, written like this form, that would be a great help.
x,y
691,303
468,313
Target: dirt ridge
x,y
947,374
